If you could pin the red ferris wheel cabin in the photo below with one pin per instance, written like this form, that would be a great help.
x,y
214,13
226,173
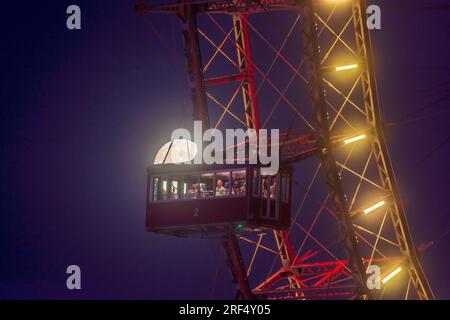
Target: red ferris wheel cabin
x,y
187,199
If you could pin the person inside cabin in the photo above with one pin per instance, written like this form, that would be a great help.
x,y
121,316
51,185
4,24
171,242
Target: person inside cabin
x,y
193,191
220,189
236,190
173,193
204,192
243,187
264,183
273,189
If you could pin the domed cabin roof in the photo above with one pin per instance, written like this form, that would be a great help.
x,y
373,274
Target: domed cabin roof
x,y
176,151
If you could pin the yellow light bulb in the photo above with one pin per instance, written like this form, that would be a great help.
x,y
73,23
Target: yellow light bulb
x,y
347,67
391,275
350,140
375,206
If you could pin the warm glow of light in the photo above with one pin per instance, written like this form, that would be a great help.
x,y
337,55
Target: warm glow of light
x,y
336,1
350,140
176,151
391,275
375,206
348,67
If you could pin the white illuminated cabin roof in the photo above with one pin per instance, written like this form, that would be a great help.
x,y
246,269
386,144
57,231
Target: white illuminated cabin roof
x,y
176,151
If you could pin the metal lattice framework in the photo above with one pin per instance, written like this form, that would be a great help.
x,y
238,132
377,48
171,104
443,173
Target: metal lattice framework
x,y
252,64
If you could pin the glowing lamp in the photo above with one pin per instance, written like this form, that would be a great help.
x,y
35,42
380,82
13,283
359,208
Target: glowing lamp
x,y
375,206
347,67
391,275
357,138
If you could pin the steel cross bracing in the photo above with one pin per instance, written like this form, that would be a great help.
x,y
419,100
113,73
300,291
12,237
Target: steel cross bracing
x,y
316,87
340,225
381,154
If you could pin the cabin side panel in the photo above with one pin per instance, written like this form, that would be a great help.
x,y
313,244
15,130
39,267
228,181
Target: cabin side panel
x,y
196,212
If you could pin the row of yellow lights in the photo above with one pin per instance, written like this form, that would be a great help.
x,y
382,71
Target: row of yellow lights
x,y
378,204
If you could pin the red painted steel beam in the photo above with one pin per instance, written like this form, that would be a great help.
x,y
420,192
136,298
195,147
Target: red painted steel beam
x,y
236,265
225,79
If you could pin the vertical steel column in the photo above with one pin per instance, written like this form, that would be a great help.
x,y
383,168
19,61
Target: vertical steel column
x,y
234,257
236,265
327,157
251,108
197,86
188,16
244,55
381,152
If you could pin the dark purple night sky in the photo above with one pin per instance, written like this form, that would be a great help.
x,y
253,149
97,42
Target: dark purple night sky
x,y
83,113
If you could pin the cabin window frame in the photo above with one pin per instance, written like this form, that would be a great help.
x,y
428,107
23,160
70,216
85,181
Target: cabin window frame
x,y
280,195
271,201
282,191
285,181
256,183
168,177
241,194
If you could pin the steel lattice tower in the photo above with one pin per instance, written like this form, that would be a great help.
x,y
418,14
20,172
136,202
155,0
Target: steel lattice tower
x,y
349,214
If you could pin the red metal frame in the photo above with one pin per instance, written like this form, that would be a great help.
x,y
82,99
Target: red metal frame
x,y
304,271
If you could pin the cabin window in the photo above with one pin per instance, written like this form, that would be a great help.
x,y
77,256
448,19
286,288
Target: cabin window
x,y
238,186
190,188
206,188
223,184
174,190
268,187
164,188
170,188
199,185
255,183
268,193
155,189
272,187
285,187
264,186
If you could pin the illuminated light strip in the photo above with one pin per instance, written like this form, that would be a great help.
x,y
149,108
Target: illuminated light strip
x,y
350,140
375,206
391,275
350,66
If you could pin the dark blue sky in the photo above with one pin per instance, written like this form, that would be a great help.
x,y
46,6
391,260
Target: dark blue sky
x,y
83,112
